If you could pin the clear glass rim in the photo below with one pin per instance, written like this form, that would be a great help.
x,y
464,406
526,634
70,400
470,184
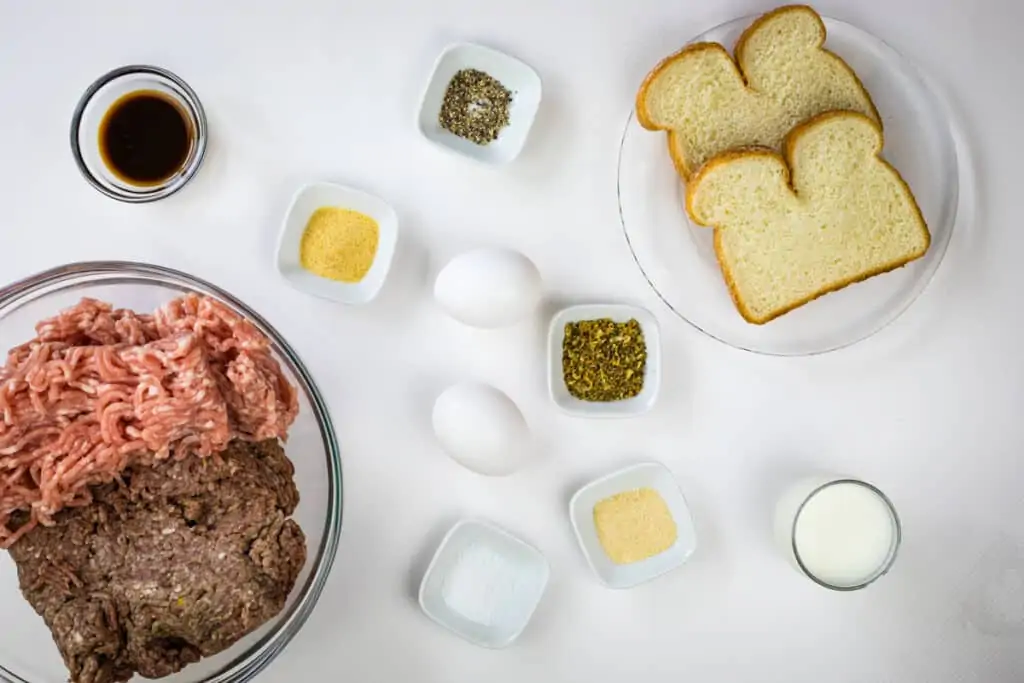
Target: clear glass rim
x,y
941,245
893,550
247,665
196,113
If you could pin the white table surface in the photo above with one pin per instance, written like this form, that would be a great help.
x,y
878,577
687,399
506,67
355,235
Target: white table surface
x,y
929,409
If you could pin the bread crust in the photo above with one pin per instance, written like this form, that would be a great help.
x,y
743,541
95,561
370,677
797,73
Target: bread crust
x,y
677,158
741,45
788,147
684,168
642,114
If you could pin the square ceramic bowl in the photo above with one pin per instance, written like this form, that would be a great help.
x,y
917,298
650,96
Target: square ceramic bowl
x,y
620,313
456,595
306,201
648,475
515,75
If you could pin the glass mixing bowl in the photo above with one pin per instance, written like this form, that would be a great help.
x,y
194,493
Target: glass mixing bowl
x,y
27,652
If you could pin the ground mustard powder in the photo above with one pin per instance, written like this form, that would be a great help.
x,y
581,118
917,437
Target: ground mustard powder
x,y
634,525
339,244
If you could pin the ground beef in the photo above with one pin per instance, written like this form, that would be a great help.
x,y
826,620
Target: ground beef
x,y
177,563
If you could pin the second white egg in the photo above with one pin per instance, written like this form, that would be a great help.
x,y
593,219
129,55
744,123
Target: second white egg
x,y
481,428
488,287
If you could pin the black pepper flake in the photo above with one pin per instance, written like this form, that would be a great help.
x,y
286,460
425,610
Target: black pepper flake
x,y
475,106
603,360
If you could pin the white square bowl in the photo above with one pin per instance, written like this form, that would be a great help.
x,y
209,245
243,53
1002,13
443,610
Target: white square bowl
x,y
515,75
619,313
648,475
305,202
528,564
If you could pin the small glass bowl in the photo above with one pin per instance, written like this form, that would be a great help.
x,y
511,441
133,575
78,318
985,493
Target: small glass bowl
x,y
93,107
27,652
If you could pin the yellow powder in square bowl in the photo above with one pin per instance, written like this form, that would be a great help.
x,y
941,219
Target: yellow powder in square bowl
x,y
339,244
634,525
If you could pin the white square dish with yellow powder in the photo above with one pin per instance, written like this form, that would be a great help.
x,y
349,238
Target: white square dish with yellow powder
x,y
633,525
337,243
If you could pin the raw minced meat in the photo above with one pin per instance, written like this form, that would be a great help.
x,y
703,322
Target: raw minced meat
x,y
176,563
99,389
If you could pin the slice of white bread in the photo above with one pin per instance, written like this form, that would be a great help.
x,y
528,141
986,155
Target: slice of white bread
x,y
782,76
788,230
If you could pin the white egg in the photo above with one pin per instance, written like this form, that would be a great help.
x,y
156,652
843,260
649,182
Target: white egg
x,y
488,287
481,428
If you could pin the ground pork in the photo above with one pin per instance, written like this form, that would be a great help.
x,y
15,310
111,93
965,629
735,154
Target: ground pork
x,y
99,389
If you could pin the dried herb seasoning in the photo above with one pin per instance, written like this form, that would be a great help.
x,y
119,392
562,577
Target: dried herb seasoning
x,y
475,106
603,360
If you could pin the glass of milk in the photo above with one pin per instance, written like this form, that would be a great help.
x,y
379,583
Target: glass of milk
x,y
842,533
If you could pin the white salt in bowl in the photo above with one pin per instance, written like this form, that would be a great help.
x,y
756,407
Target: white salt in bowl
x,y
484,584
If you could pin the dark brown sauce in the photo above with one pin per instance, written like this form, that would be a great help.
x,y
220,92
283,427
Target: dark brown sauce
x,y
145,138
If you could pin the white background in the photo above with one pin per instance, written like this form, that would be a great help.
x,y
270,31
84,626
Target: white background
x,y
297,91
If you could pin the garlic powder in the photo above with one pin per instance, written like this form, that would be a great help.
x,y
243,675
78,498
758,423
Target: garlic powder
x,y
634,525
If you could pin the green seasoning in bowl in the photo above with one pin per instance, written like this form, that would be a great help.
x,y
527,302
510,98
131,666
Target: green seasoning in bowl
x,y
603,360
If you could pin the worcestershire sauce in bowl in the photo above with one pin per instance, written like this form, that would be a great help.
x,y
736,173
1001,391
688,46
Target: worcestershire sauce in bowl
x,y
145,138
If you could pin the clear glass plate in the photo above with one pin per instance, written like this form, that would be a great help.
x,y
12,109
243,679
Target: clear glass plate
x,y
677,257
27,651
